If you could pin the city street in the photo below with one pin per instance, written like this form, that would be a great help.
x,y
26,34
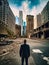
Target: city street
x,y
9,54
21,21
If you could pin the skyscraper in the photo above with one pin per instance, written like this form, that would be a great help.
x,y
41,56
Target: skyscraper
x,y
30,25
21,21
24,28
7,17
39,20
3,10
45,13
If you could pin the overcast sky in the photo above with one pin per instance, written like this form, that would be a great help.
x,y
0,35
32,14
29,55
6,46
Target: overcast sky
x,y
29,7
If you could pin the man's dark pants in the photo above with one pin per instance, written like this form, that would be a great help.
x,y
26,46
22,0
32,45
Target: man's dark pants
x,y
26,60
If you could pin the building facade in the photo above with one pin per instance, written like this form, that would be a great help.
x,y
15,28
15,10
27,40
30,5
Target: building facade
x,y
18,30
21,21
6,17
30,25
45,13
39,20
43,30
11,21
3,10
24,28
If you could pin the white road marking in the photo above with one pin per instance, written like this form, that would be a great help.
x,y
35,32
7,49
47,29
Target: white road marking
x,y
36,51
47,59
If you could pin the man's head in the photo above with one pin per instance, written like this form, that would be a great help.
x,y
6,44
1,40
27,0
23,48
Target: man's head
x,y
25,41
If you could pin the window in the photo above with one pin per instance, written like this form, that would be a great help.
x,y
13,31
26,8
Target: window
x,y
0,3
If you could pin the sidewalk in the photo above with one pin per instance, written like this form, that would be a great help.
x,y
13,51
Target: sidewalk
x,y
5,48
40,40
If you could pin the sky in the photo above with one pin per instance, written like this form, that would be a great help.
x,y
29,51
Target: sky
x,y
29,7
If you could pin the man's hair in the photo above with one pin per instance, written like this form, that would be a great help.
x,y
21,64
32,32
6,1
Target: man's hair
x,y
25,41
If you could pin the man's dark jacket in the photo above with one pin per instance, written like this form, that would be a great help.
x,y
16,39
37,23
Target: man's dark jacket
x,y
24,51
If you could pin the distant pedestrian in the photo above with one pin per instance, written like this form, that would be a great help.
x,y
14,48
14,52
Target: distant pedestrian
x,y
24,52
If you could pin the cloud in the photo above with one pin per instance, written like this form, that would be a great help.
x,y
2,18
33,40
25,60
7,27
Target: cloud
x,y
24,7
40,7
27,10
15,2
15,10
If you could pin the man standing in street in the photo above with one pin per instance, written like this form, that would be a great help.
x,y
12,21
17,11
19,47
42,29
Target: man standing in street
x,y
24,52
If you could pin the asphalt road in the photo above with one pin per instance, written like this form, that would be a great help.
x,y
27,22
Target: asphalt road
x,y
39,53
